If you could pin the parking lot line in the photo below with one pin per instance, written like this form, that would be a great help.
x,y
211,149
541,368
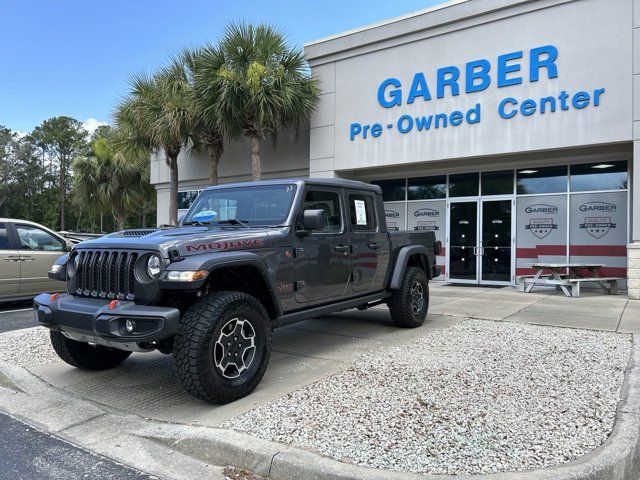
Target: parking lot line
x,y
15,311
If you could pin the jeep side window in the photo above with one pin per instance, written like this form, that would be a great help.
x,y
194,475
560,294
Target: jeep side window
x,y
362,213
330,203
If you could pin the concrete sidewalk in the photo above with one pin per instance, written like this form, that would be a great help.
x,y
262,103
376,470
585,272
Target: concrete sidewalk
x,y
306,352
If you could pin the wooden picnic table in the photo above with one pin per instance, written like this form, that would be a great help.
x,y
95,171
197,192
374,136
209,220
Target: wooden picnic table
x,y
570,282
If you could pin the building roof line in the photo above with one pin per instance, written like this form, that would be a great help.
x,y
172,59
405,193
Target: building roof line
x,y
383,23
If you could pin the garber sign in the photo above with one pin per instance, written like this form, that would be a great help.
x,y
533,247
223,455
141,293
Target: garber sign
x,y
478,76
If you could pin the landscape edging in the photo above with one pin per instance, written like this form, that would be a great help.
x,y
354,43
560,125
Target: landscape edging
x,y
618,458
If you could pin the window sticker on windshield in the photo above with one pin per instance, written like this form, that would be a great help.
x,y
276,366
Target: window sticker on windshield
x,y
204,216
361,213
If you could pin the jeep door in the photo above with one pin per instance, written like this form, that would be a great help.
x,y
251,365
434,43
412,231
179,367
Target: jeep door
x,y
9,264
369,255
322,258
39,249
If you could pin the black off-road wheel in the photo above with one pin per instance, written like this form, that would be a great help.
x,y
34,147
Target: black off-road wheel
x,y
409,304
85,355
222,346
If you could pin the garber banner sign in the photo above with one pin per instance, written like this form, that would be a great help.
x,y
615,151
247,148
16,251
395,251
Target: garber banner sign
x,y
474,76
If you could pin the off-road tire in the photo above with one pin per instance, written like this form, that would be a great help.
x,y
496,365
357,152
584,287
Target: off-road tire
x,y
403,311
195,344
86,356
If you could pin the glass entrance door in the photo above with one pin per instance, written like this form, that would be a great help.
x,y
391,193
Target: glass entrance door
x,y
463,242
480,241
496,241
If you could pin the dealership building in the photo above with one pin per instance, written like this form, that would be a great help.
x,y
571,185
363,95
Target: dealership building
x,y
510,128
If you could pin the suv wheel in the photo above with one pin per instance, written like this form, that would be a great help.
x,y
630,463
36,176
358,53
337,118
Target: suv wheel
x,y
409,304
85,355
222,346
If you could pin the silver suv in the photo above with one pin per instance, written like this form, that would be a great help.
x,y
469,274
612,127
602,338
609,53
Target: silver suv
x,y
27,251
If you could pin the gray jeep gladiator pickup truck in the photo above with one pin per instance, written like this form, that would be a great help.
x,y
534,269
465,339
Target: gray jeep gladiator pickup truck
x,y
246,258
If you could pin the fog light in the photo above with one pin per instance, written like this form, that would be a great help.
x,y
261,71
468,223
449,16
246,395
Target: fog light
x,y
130,325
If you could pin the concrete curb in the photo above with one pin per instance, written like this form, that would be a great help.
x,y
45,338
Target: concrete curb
x,y
92,426
618,458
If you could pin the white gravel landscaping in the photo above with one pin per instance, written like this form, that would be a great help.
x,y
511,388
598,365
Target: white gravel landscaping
x,y
29,347
478,397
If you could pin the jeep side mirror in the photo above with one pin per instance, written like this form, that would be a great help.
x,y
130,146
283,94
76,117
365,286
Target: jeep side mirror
x,y
313,220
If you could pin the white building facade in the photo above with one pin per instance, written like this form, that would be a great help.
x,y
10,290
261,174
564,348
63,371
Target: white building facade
x,y
510,128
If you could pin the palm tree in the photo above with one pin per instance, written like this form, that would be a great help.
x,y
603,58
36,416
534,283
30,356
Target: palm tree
x,y
203,65
109,179
157,114
263,84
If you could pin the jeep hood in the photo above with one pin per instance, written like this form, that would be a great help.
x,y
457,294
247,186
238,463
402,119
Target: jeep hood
x,y
186,240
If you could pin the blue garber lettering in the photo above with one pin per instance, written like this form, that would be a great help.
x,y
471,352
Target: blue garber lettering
x,y
477,73
509,107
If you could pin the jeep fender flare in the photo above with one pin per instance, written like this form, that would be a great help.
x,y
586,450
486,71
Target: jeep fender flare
x,y
402,260
219,260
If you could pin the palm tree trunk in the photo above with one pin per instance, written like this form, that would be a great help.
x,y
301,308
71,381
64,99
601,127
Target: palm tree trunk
x,y
122,220
256,171
173,190
214,160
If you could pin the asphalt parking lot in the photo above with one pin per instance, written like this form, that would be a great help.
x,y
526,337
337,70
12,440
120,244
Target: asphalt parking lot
x,y
15,316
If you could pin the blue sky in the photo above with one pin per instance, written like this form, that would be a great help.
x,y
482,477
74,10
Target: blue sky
x,y
73,57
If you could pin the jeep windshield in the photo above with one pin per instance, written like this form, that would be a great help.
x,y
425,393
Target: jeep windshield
x,y
246,206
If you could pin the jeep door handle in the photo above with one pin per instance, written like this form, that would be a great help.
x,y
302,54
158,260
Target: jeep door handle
x,y
12,258
27,259
342,248
374,245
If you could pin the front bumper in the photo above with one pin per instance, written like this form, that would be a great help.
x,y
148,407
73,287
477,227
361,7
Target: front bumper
x,y
103,322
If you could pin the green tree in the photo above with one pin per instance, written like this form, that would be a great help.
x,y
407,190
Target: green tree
x,y
262,85
7,147
111,180
61,140
203,65
157,114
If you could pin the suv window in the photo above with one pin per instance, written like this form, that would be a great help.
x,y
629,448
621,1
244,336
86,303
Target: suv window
x,y
33,238
4,237
362,211
330,203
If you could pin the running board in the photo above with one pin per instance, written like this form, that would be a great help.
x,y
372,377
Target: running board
x,y
322,310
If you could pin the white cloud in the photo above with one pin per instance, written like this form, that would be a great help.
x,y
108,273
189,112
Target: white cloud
x,y
20,133
91,124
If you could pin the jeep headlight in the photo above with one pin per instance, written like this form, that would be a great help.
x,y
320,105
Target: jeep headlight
x,y
153,266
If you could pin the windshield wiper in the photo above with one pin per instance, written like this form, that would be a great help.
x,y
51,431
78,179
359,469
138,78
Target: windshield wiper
x,y
196,223
234,221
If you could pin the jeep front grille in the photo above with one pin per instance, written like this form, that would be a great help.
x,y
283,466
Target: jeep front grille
x,y
106,274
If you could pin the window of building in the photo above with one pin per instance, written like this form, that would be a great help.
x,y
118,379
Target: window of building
x,y
599,176
497,183
330,203
362,212
4,237
464,184
427,188
392,190
542,180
